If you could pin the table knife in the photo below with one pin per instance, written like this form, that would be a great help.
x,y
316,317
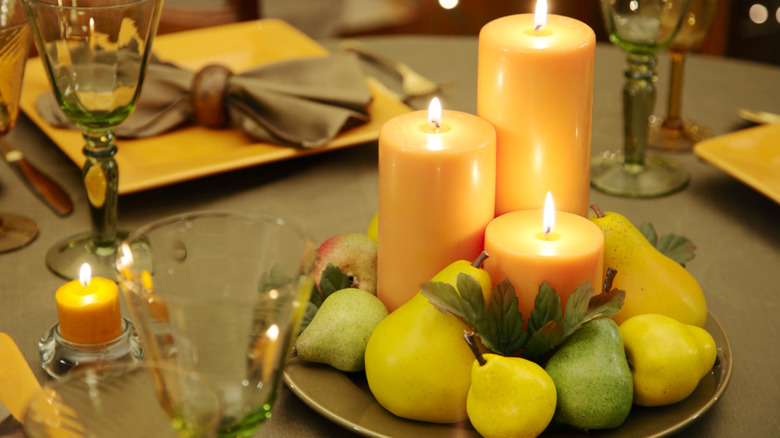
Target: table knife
x,y
44,187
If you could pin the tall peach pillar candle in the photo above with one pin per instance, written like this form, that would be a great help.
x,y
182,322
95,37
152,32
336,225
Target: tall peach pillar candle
x,y
566,251
535,85
436,196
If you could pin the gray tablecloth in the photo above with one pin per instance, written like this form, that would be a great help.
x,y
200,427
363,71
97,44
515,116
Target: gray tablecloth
x,y
734,227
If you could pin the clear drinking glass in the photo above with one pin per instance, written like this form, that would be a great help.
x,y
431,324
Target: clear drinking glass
x,y
641,28
95,54
673,132
223,294
113,399
15,231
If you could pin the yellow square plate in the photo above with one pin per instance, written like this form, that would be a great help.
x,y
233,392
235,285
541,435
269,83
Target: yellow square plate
x,y
751,155
195,151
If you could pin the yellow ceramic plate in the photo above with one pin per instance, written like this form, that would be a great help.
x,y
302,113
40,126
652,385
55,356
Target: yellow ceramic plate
x,y
345,399
195,151
751,155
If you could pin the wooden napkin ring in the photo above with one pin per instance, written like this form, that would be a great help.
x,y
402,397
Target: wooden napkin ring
x,y
208,95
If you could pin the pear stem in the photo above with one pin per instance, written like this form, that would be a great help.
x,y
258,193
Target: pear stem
x,y
480,259
608,279
597,210
468,335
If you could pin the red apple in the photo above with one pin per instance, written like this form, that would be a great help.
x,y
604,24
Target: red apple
x,y
354,254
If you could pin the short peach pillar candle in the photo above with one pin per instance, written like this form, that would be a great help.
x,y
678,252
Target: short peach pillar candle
x,y
530,247
436,196
535,85
88,309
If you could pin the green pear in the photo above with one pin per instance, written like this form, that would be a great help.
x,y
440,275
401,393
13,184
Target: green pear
x,y
653,282
338,333
592,377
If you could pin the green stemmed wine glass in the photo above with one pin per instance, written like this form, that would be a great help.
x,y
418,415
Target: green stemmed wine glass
x,y
95,54
641,28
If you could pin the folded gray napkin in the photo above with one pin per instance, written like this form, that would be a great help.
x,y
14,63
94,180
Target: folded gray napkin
x,y
302,102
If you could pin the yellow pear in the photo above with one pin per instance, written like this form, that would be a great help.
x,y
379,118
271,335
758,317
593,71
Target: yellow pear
x,y
653,282
668,358
417,364
510,397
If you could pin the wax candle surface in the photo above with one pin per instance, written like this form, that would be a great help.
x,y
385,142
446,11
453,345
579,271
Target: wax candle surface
x,y
89,314
519,251
436,196
537,90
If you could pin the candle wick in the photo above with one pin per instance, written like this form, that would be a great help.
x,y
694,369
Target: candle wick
x,y
538,28
436,124
547,231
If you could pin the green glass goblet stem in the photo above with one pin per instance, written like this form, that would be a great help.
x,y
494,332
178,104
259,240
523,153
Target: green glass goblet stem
x,y
638,103
101,180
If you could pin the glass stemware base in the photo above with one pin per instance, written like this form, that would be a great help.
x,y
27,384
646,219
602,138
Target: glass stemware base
x,y
66,257
16,232
676,136
657,176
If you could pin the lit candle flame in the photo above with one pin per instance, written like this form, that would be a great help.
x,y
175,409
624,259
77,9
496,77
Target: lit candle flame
x,y
85,274
540,15
548,220
434,113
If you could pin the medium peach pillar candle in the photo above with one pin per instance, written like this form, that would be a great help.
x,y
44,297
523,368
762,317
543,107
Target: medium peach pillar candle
x,y
529,250
88,309
436,196
536,88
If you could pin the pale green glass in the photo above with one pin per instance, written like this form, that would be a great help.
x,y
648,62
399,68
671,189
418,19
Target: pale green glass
x,y
642,28
95,54
674,132
120,399
223,294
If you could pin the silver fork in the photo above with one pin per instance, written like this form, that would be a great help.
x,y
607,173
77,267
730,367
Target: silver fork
x,y
412,83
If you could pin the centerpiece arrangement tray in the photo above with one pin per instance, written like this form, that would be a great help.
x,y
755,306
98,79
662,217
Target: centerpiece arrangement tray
x,y
345,399
194,151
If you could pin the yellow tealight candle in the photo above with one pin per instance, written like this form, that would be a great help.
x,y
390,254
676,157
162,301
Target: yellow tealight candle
x,y
88,309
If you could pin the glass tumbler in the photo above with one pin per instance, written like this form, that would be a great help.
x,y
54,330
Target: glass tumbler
x,y
223,294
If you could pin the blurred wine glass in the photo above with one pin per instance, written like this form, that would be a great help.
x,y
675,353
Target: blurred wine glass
x,y
641,28
673,132
15,231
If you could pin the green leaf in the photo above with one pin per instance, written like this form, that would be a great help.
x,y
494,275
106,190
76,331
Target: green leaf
x,y
547,307
332,280
577,306
648,230
543,341
308,315
676,247
499,323
606,304
446,299
504,333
